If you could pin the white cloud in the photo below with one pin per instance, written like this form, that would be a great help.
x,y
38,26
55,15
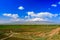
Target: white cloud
x,y
36,19
54,5
21,7
32,16
58,2
47,14
11,15
42,16
31,13
5,14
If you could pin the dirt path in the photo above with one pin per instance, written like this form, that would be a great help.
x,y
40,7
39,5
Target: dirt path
x,y
54,31
10,35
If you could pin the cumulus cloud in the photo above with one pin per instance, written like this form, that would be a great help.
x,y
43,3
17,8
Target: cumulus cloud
x,y
21,7
42,16
54,5
36,19
31,13
11,15
58,2
32,16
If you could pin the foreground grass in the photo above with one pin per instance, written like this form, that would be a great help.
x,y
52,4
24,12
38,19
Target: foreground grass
x,y
28,32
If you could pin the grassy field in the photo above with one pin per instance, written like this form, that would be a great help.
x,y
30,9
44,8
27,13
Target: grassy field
x,y
29,32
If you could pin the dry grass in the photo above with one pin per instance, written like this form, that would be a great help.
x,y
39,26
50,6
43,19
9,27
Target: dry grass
x,y
32,33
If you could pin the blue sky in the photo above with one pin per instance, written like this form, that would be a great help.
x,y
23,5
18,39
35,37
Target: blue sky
x,y
29,10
